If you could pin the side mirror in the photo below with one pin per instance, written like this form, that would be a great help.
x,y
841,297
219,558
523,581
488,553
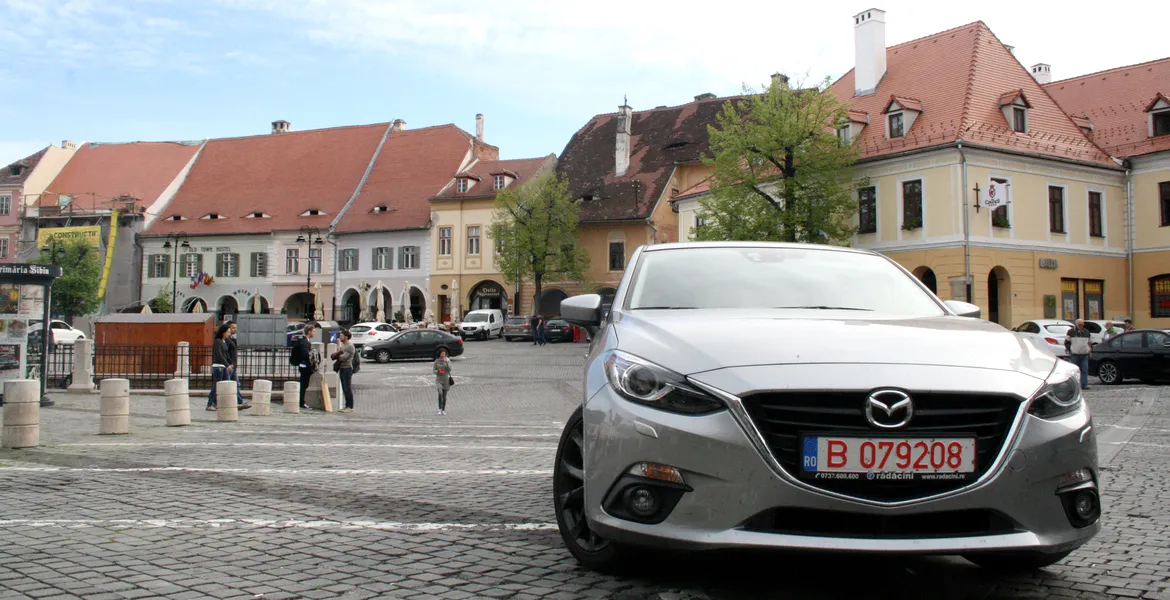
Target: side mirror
x,y
583,310
963,309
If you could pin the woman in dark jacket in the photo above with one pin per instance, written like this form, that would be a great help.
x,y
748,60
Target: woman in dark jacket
x,y
221,363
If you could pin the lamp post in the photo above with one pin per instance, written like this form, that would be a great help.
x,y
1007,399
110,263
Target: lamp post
x,y
180,238
306,237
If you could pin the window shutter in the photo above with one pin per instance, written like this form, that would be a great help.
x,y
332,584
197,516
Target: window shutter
x,y
219,265
166,266
354,253
236,262
261,264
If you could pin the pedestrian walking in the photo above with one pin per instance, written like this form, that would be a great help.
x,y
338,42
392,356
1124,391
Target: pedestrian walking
x,y
538,330
302,356
234,372
1079,345
221,363
344,357
443,379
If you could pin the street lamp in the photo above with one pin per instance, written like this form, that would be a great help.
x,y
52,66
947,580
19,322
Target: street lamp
x,y
306,237
180,238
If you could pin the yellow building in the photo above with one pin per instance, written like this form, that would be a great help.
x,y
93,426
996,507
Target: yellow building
x,y
463,267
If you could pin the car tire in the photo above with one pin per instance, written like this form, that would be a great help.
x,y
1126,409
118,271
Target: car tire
x,y
1008,562
507,339
590,549
382,356
1109,373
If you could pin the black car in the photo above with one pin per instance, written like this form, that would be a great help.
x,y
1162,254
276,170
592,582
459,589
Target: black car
x,y
517,328
413,343
558,330
1139,354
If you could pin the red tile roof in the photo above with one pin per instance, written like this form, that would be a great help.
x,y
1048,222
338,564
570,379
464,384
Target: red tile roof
x,y
27,165
959,76
413,166
98,173
694,191
1116,102
282,175
522,169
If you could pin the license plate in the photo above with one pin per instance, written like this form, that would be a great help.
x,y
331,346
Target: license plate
x,y
888,458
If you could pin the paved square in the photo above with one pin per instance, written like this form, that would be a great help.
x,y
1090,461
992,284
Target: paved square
x,y
395,501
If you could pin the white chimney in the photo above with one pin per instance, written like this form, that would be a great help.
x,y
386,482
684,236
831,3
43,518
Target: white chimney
x,y
281,126
68,145
1042,73
621,157
869,44
479,127
398,125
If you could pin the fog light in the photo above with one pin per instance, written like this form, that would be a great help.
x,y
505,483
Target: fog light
x,y
642,501
656,471
1074,477
1085,504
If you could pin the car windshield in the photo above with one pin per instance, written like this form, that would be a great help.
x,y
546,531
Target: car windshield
x,y
359,329
1058,329
475,317
777,278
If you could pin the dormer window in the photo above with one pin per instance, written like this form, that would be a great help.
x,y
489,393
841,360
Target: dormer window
x,y
1014,106
498,182
15,170
897,125
258,215
1159,111
213,216
313,212
900,114
176,218
843,134
461,185
380,209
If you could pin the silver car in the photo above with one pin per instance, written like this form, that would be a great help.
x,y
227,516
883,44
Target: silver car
x,y
763,395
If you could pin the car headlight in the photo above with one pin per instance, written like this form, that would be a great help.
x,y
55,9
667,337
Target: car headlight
x,y
646,383
1061,393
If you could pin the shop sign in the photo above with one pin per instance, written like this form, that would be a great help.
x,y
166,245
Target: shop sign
x,y
1048,263
91,235
489,290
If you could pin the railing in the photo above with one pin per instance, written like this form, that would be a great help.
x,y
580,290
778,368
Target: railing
x,y
149,366
59,366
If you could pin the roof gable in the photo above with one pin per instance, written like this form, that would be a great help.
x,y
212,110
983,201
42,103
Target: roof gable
x,y
520,170
99,173
26,166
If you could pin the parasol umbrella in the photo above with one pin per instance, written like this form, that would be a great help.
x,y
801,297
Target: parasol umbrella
x,y
379,309
256,307
455,301
363,302
319,314
146,309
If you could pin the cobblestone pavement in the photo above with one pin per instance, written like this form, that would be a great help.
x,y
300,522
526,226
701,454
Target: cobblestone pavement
x,y
395,501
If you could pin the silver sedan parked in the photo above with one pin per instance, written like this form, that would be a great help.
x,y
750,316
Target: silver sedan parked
x,y
808,397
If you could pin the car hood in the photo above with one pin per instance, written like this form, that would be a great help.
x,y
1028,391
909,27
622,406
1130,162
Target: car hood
x,y
694,341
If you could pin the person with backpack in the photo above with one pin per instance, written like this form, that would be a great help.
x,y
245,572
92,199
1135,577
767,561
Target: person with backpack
x,y
303,357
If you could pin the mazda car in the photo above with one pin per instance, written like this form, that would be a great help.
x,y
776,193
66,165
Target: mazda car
x,y
788,396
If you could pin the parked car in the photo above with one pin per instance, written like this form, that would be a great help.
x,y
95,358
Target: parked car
x,y
691,438
63,333
413,343
483,324
1046,333
365,333
558,330
517,328
1139,354
1097,329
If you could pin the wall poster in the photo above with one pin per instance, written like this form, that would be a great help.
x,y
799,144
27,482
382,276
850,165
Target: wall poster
x,y
21,313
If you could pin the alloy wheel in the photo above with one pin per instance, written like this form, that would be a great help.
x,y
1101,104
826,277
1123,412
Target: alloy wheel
x,y
1109,373
383,356
569,487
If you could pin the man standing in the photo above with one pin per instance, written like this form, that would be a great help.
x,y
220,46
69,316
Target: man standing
x,y
301,357
537,329
1078,342
234,373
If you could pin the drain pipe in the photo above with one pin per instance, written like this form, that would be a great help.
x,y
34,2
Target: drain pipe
x,y
966,225
1129,225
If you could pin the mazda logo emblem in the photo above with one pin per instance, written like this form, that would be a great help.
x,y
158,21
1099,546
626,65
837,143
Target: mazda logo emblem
x,y
888,409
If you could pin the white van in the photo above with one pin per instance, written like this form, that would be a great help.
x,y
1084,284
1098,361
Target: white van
x,y
483,324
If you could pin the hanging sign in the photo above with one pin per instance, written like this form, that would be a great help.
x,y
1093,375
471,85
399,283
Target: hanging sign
x,y
994,195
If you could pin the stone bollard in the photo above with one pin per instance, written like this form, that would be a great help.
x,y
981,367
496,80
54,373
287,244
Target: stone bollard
x,y
261,397
292,397
22,414
183,359
82,371
225,399
178,402
115,407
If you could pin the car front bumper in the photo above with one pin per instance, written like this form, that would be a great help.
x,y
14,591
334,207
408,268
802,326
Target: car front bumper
x,y
732,483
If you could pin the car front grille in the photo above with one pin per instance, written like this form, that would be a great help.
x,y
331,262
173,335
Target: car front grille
x,y
783,418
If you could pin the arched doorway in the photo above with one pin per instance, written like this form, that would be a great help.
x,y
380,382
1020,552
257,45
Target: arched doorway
x,y
351,306
228,307
195,305
607,295
487,294
927,277
418,304
265,308
550,302
999,297
300,306
387,306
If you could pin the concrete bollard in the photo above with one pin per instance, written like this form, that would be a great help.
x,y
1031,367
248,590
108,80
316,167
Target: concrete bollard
x,y
225,399
183,359
22,414
115,407
82,372
261,397
178,402
292,397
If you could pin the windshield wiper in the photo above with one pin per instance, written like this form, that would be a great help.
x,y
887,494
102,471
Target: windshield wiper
x,y
826,308
665,308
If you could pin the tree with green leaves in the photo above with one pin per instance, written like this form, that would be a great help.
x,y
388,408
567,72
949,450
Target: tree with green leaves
x,y
75,294
781,173
536,224
161,303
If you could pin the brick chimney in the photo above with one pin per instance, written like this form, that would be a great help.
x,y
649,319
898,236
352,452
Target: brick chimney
x,y
398,125
621,158
281,126
869,46
1042,73
479,127
705,96
780,79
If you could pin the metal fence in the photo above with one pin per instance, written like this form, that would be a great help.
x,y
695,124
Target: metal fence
x,y
149,366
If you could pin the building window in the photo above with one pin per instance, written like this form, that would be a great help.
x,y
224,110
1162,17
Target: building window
x,y
867,210
896,125
383,258
1019,119
1164,192
461,185
1160,297
160,266
912,204
1055,209
617,256
227,265
192,264
349,259
259,264
292,261
1162,123
314,260
1070,307
408,257
499,246
843,135
1095,228
444,241
3,247
5,205
498,182
1094,299
700,221
473,241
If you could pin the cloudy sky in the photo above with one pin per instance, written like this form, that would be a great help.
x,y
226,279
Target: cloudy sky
x,y
122,70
